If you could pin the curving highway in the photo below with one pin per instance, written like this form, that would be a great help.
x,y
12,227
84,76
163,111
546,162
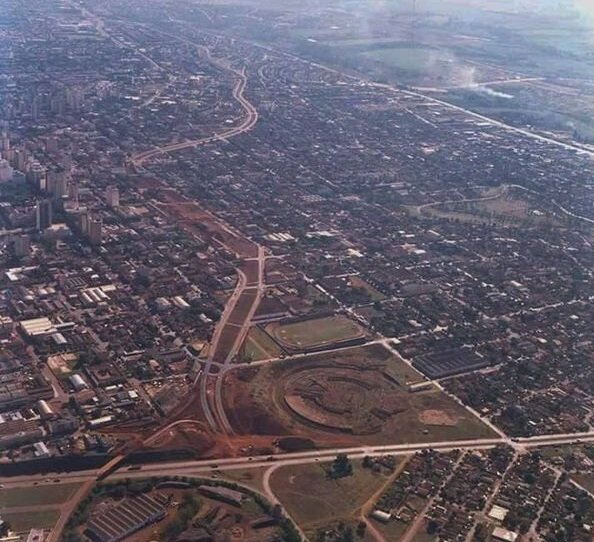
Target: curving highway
x,y
251,113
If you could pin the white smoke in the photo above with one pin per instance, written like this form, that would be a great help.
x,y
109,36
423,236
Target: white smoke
x,y
490,92
466,79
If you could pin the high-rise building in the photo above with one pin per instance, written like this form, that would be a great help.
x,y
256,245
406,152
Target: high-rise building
x,y
5,171
73,196
95,231
35,108
83,222
4,142
43,214
20,160
67,163
37,176
57,184
75,98
112,195
21,246
60,188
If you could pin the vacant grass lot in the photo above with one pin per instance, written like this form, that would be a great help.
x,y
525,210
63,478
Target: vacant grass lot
x,y
36,496
25,521
258,346
312,499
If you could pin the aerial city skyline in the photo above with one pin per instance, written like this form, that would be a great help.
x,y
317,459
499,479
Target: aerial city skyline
x,y
302,271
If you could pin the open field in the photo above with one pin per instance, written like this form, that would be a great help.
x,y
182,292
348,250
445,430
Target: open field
x,y
25,521
353,396
316,333
258,346
226,342
585,480
251,270
314,500
36,496
393,530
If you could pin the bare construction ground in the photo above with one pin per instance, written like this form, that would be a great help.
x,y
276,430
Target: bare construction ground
x,y
353,396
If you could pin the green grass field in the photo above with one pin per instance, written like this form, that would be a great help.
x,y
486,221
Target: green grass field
x,y
258,346
317,332
36,496
403,372
312,499
25,521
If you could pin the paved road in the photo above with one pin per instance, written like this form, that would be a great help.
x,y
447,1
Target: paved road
x,y
202,467
67,510
239,339
212,403
251,113
215,415
213,347
213,407
296,458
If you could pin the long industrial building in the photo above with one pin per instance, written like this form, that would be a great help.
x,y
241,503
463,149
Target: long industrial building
x,y
124,519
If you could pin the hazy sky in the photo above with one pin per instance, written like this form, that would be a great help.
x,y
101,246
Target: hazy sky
x,y
585,6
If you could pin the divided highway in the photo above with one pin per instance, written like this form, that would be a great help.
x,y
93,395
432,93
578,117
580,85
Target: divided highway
x,y
198,467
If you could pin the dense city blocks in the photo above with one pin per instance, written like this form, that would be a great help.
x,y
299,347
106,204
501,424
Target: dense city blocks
x,y
282,271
